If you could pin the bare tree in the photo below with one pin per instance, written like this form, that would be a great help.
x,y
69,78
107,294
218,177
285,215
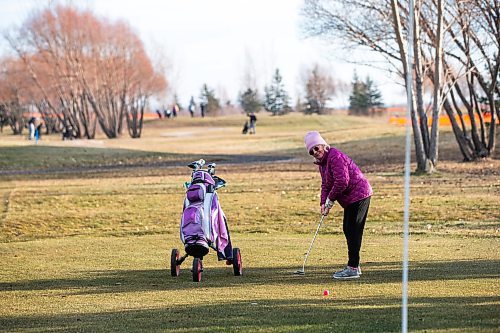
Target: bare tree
x,y
143,82
14,94
87,70
48,43
378,26
475,31
319,88
382,27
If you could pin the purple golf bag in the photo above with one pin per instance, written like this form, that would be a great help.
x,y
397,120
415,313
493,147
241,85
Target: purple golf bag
x,y
203,224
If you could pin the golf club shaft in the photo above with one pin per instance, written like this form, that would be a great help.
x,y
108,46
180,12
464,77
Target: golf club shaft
x,y
312,242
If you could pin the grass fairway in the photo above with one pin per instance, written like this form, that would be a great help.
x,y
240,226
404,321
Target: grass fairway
x,y
107,284
86,230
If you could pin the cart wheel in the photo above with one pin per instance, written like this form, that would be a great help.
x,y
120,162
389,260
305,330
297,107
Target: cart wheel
x,y
174,267
237,263
197,269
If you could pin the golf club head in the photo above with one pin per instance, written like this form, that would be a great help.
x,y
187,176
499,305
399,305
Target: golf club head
x,y
211,168
299,272
192,165
197,165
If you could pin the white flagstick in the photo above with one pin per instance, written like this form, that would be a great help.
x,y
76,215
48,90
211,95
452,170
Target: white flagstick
x,y
406,217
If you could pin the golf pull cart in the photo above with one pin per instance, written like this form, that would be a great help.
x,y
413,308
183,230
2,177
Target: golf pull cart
x,y
176,260
203,223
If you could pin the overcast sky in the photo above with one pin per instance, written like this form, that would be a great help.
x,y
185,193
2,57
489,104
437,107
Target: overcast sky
x,y
213,41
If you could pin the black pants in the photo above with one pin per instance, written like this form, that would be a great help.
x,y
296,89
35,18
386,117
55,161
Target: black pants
x,y
353,226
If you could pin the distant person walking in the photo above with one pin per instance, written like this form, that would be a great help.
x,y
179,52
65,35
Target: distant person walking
x,y
67,133
167,113
38,131
192,106
31,129
251,124
202,109
342,181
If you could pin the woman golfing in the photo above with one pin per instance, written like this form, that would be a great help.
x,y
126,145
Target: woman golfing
x,y
342,181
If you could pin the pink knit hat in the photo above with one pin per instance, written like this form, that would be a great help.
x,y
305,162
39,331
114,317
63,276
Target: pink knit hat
x,y
312,139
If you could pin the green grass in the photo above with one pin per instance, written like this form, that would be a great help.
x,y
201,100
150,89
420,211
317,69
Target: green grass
x,y
85,245
111,284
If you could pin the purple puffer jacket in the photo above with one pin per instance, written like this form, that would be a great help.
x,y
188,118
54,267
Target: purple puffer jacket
x,y
341,179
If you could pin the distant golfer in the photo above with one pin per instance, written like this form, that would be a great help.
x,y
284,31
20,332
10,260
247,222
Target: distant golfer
x,y
342,181
251,125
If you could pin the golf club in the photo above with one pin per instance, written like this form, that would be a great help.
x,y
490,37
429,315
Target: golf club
x,y
211,168
197,165
302,271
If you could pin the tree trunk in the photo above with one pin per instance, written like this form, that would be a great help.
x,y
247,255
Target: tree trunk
x,y
460,136
419,81
423,164
493,125
436,107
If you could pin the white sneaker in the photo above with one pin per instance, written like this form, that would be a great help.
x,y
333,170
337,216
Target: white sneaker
x,y
347,273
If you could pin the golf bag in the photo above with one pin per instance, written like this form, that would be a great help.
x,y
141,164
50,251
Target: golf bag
x,y
245,128
203,223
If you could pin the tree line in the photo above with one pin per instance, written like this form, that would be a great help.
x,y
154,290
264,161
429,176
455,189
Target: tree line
x,y
80,72
319,88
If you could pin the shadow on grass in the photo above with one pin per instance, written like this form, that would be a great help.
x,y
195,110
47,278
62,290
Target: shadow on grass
x,y
32,160
295,313
380,314
119,281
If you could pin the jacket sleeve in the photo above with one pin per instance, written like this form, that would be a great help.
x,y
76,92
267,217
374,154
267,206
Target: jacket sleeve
x,y
338,169
324,186
324,191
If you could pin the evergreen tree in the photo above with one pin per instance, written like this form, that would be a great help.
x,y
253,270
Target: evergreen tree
x,y
208,99
358,104
373,97
276,99
249,100
365,98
